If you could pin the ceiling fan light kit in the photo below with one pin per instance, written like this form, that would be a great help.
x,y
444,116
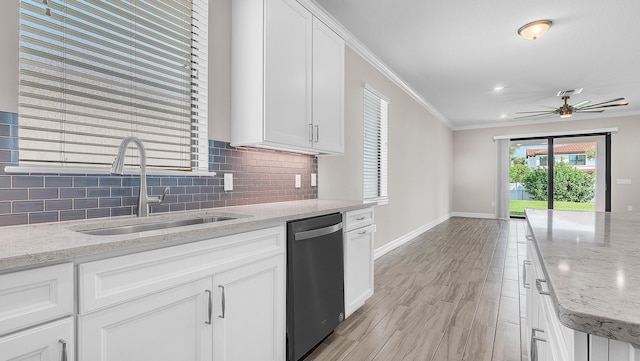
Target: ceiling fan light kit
x,y
534,29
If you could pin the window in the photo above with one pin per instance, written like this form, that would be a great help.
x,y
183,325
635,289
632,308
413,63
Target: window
x,y
94,72
577,159
375,146
544,160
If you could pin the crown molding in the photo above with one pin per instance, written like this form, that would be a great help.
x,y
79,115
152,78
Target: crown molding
x,y
350,40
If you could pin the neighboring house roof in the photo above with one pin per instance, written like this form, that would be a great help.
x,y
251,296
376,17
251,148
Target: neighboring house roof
x,y
575,148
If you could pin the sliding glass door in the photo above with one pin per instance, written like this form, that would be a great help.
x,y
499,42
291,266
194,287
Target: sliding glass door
x,y
566,173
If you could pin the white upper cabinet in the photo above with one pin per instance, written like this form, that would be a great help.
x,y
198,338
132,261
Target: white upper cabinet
x,y
328,89
287,78
288,73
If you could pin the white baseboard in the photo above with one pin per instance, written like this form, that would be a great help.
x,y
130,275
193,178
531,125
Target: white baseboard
x,y
381,251
473,215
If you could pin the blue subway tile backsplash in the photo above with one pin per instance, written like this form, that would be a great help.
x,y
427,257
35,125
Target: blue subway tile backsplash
x,y
260,176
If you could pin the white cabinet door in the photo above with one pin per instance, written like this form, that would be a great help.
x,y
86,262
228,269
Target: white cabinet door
x,y
49,342
166,326
249,312
288,73
358,268
287,79
328,89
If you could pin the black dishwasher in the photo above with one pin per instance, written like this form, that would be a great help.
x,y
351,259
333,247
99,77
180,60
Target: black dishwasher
x,y
315,282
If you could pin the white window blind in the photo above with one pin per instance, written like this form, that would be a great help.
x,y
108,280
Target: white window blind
x,y
375,146
95,71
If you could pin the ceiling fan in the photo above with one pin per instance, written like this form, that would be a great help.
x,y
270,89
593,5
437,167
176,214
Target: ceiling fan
x,y
566,110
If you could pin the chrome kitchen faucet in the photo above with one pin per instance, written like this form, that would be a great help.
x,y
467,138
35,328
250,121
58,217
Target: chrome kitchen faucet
x,y
144,200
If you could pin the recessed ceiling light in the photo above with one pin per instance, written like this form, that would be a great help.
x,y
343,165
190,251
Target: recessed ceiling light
x,y
535,29
498,87
503,116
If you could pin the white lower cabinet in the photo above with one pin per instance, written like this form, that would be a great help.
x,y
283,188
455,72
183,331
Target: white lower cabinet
x,y
218,299
249,312
165,326
549,340
50,342
36,308
358,258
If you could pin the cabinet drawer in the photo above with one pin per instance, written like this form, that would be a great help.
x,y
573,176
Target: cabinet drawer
x,y
111,281
47,342
35,296
357,219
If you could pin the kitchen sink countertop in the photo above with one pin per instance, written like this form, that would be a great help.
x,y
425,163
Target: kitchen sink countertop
x,y
30,245
591,261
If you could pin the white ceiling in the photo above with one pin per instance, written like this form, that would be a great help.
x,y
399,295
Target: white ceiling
x,y
453,53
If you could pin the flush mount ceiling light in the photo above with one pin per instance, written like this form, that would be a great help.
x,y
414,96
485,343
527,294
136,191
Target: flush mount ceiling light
x,y
535,29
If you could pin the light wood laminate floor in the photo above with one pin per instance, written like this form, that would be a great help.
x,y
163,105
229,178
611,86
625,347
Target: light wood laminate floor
x,y
453,293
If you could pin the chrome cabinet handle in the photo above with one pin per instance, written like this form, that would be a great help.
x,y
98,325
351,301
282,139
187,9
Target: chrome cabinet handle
x,y
311,132
317,138
63,357
360,219
525,263
363,232
209,307
534,345
539,287
223,303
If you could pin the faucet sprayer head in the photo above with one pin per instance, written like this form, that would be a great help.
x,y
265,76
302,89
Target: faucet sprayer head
x,y
117,168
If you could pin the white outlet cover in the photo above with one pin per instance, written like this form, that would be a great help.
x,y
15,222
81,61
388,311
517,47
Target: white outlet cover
x,y
228,182
298,181
623,181
314,179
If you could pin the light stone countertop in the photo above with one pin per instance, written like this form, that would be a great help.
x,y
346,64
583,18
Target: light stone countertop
x,y
32,245
591,261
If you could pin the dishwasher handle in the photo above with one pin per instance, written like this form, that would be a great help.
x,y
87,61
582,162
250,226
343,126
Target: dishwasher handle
x,y
299,236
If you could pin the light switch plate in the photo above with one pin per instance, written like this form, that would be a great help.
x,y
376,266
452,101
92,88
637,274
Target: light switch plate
x,y
228,182
314,179
623,181
298,181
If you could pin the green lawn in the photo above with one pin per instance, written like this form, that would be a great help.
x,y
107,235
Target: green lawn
x,y
517,207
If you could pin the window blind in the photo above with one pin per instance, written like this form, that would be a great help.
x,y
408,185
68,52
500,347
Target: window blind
x,y
375,146
95,71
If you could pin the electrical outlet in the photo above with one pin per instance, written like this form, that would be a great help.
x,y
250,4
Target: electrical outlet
x,y
630,208
228,182
298,181
493,204
314,179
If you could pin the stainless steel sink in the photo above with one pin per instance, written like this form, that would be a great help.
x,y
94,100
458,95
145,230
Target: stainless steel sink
x,y
135,228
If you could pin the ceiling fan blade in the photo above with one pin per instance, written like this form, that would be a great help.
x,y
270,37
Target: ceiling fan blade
x,y
539,112
581,104
588,111
606,106
608,101
535,115
548,106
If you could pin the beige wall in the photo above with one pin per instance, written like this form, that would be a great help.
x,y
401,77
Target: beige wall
x,y
419,157
474,161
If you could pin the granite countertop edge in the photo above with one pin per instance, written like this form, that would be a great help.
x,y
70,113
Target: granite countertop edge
x,y
26,246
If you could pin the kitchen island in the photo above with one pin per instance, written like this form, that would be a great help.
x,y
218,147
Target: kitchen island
x,y
590,262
